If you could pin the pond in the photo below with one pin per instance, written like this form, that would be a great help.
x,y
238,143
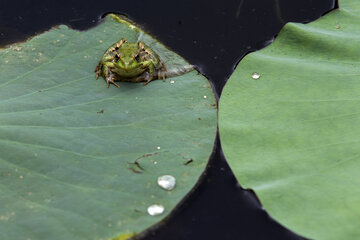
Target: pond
x,y
214,36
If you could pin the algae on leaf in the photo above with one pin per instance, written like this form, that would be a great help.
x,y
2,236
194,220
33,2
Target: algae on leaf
x,y
292,135
80,160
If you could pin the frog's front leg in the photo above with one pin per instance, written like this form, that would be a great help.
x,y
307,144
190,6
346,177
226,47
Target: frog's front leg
x,y
150,75
98,70
108,75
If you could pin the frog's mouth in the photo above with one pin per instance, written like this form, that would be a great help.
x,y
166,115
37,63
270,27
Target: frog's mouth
x,y
129,72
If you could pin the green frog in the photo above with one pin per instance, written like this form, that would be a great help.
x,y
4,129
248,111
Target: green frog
x,y
130,62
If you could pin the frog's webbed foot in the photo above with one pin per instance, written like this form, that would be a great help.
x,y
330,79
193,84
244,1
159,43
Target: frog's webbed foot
x,y
147,77
116,46
141,46
123,40
98,70
162,73
110,79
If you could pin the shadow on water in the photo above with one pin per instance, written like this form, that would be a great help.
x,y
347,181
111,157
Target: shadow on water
x,y
214,36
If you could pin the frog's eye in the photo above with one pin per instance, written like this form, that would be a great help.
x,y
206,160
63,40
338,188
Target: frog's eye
x,y
136,57
118,56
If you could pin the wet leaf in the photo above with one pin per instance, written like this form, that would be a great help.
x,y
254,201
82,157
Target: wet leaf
x,y
292,132
81,161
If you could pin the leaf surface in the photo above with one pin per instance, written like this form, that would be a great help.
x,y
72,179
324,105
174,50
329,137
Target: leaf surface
x,y
81,161
292,135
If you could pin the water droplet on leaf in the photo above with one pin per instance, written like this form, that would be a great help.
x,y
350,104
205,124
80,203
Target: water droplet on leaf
x,y
155,209
255,75
167,182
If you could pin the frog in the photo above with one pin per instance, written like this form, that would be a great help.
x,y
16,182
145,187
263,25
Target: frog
x,y
130,62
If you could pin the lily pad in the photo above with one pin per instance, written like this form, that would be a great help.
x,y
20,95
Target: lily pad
x,y
80,160
291,132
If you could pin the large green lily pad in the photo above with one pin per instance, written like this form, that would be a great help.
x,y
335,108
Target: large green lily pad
x,y
69,145
292,135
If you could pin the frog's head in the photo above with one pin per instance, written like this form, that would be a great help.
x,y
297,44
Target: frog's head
x,y
127,57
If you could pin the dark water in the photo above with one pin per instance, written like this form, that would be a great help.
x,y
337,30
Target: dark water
x,y
213,35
